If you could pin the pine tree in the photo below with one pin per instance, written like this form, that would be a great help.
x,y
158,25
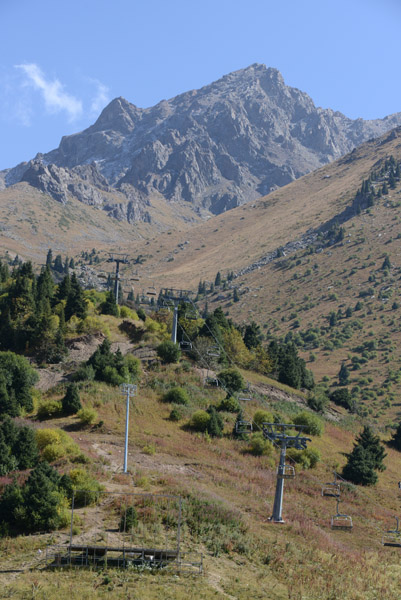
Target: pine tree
x,y
49,259
217,281
359,468
396,439
386,263
235,295
251,335
58,264
371,442
343,375
216,425
71,402
76,304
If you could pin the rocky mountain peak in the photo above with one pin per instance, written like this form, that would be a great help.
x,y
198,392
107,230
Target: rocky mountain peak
x,y
215,148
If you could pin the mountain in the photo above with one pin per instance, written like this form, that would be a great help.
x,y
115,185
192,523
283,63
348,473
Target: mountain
x,y
211,149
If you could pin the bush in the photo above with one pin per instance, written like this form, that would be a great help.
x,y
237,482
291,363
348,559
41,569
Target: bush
x,y
313,425
342,397
262,416
128,313
317,401
229,404
176,395
85,487
87,416
200,420
259,446
176,414
168,351
308,458
55,444
84,373
231,380
49,409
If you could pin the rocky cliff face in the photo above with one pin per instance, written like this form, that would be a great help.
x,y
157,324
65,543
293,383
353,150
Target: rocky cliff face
x,y
216,148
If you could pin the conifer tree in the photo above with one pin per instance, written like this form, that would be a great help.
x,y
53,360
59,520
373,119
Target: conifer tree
x,y
71,402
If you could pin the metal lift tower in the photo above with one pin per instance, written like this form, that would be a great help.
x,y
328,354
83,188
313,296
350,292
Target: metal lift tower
x,y
172,298
276,433
118,259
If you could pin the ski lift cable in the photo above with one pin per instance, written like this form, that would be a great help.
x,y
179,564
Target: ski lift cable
x,y
261,429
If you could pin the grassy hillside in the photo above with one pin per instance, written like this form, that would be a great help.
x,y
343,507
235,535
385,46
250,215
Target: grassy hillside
x,y
228,495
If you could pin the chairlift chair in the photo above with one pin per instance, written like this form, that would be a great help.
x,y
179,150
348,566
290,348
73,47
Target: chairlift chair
x,y
341,521
288,472
211,380
332,489
243,427
392,537
245,394
213,351
185,346
151,291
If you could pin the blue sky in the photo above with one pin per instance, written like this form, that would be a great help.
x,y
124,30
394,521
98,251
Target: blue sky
x,y
62,62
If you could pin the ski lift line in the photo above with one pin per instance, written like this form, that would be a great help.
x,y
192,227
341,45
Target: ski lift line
x,y
257,426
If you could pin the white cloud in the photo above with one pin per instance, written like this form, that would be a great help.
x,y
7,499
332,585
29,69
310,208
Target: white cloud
x,y
100,99
56,99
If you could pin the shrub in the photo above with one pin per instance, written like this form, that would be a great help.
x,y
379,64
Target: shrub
x,y
342,397
128,313
259,446
176,414
53,452
85,487
84,373
229,404
317,401
231,380
168,351
176,395
313,425
87,416
313,456
133,365
200,420
262,416
49,409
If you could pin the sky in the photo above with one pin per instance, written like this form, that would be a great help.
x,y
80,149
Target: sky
x,y
63,62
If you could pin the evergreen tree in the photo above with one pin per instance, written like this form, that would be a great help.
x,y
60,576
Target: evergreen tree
x,y
217,281
25,448
386,263
235,295
49,259
359,468
109,306
76,304
371,442
396,438
41,499
251,335
343,375
58,264
71,402
64,288
216,424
